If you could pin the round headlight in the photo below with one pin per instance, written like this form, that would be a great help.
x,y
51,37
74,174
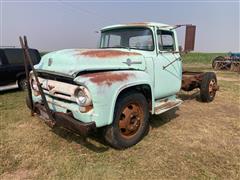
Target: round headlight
x,y
82,96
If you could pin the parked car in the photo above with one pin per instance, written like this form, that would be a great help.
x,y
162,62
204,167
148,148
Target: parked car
x,y
12,66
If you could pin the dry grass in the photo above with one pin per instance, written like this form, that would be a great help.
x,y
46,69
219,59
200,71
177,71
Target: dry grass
x,y
198,141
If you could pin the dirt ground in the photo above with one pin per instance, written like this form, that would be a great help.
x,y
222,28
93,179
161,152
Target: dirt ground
x,y
197,141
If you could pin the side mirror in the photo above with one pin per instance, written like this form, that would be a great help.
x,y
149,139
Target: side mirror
x,y
189,38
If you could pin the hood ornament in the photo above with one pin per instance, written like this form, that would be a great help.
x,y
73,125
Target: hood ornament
x,y
50,61
129,62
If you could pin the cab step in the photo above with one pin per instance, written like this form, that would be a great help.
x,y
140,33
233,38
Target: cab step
x,y
165,105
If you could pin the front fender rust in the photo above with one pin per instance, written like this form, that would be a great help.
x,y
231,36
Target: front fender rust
x,y
105,86
108,78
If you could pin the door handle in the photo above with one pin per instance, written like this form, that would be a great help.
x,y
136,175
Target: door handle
x,y
164,67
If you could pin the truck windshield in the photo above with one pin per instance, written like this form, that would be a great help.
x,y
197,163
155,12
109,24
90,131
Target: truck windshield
x,y
131,38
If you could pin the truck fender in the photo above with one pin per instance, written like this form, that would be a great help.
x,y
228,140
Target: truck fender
x,y
105,88
129,86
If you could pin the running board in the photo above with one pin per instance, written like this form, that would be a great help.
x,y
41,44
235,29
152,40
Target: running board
x,y
163,106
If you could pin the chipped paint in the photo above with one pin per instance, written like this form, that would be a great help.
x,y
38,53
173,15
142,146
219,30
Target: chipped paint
x,y
191,80
85,109
108,78
138,24
146,24
107,53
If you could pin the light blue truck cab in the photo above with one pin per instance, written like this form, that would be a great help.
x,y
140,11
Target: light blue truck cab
x,y
136,71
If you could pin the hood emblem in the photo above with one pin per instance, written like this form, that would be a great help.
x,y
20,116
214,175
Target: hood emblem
x,y
50,61
129,62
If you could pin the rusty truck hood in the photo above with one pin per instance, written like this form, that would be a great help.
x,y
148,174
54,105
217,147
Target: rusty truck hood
x,y
72,61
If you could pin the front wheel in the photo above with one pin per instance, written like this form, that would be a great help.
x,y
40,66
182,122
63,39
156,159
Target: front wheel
x,y
130,122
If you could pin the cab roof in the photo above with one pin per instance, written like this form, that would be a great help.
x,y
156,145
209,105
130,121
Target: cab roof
x,y
139,24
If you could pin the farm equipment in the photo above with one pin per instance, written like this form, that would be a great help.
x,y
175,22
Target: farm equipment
x,y
136,71
230,62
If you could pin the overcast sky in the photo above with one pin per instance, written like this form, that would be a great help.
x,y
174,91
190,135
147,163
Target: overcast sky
x,y
51,25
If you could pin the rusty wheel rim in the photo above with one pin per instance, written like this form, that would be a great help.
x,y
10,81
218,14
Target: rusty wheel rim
x,y
131,119
212,87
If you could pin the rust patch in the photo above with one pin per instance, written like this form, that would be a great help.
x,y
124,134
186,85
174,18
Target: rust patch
x,y
138,24
107,53
191,80
107,78
189,38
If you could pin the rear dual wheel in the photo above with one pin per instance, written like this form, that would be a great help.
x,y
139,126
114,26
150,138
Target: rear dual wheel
x,y
130,122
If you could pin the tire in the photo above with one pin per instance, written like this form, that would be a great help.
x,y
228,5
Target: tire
x,y
130,122
214,63
208,87
22,83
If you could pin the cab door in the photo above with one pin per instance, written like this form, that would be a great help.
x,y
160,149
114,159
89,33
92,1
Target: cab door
x,y
168,66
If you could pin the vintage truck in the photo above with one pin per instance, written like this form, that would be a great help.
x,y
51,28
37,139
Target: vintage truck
x,y
135,72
